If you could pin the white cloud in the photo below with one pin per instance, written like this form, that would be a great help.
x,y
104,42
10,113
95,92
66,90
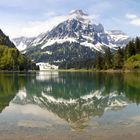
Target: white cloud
x,y
131,16
135,22
133,19
34,28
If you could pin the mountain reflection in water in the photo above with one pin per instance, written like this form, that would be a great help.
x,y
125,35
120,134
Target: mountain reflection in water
x,y
74,97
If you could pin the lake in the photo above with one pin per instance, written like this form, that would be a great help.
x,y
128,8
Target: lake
x,y
69,106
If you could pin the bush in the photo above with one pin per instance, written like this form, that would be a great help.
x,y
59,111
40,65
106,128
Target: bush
x,y
133,62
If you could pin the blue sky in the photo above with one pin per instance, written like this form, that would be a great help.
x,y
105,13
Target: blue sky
x,y
31,17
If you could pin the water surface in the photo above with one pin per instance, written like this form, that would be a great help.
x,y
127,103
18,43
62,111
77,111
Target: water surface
x,y
60,105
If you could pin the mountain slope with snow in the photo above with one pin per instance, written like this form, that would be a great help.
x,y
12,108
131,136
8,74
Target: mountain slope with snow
x,y
77,38
117,37
22,42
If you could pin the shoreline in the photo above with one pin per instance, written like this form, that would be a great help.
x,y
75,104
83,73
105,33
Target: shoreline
x,y
93,70
76,70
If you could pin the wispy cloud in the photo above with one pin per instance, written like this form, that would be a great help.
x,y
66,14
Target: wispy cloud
x,y
131,16
136,22
33,28
133,19
30,17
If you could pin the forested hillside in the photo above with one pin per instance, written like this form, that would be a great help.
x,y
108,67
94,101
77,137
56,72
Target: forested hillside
x,y
123,58
11,58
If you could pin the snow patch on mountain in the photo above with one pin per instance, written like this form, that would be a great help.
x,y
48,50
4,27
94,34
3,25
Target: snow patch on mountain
x,y
21,46
59,41
117,37
96,47
22,43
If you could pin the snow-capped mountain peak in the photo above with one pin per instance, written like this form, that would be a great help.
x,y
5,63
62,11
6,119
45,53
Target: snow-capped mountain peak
x,y
79,15
78,12
75,38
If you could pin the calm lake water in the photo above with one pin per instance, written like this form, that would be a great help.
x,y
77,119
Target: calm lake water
x,y
69,106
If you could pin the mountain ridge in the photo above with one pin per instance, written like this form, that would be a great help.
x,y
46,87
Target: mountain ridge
x,y
77,30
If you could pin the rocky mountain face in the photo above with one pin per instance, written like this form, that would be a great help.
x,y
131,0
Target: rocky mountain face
x,y
22,42
74,39
118,38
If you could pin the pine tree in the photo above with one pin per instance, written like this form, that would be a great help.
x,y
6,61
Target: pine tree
x,y
130,49
108,58
137,45
99,61
119,59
